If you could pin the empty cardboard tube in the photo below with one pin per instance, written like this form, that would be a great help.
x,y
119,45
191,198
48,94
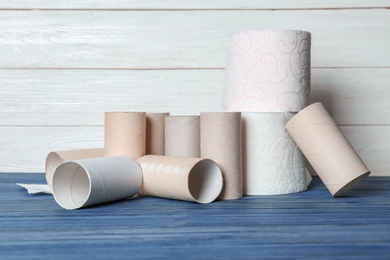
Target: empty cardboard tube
x,y
181,178
268,71
182,136
125,134
83,183
155,129
54,159
326,148
272,161
221,142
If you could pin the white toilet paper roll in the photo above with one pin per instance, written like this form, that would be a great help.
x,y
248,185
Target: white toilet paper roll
x,y
268,71
93,181
272,162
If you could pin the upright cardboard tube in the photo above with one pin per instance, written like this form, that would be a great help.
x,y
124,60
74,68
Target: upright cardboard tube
x,y
125,134
83,183
181,178
326,148
155,129
221,142
54,159
182,136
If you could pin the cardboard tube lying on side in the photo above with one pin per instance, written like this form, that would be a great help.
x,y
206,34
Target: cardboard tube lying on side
x,y
326,148
273,163
125,134
221,142
182,136
54,159
83,183
155,129
180,178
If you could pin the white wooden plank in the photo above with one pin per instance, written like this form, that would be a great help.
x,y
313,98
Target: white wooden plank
x,y
353,96
174,39
373,145
79,97
192,4
23,149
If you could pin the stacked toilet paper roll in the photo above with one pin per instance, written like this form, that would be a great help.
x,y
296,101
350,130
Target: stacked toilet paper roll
x,y
267,78
268,71
272,162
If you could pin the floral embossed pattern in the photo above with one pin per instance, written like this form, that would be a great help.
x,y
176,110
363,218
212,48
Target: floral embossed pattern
x,y
268,71
273,162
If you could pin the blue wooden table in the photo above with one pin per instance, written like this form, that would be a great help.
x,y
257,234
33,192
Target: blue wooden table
x,y
305,225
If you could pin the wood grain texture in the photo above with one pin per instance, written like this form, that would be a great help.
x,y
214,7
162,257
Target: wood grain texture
x,y
24,149
192,4
80,97
182,39
307,225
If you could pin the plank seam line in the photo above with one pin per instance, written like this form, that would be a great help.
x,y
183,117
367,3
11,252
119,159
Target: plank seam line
x,y
193,9
143,69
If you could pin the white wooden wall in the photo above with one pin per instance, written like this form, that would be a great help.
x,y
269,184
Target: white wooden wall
x,y
64,62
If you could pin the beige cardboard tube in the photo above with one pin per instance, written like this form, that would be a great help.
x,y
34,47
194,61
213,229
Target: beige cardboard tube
x,y
273,163
83,183
221,142
181,178
268,71
155,129
326,148
125,134
182,136
54,159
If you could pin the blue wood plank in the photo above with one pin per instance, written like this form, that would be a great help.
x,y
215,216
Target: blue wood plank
x,y
310,224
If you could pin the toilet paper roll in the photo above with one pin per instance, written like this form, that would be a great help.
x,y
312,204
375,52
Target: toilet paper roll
x,y
155,129
181,178
54,159
182,136
83,183
326,148
268,71
125,134
273,163
221,142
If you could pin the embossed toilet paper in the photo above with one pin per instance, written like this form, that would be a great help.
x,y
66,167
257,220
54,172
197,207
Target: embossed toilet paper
x,y
268,71
272,162
221,142
83,183
182,136
125,134
326,148
54,159
155,129
181,178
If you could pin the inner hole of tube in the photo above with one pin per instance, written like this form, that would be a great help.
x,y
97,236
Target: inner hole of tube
x,y
71,185
205,181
